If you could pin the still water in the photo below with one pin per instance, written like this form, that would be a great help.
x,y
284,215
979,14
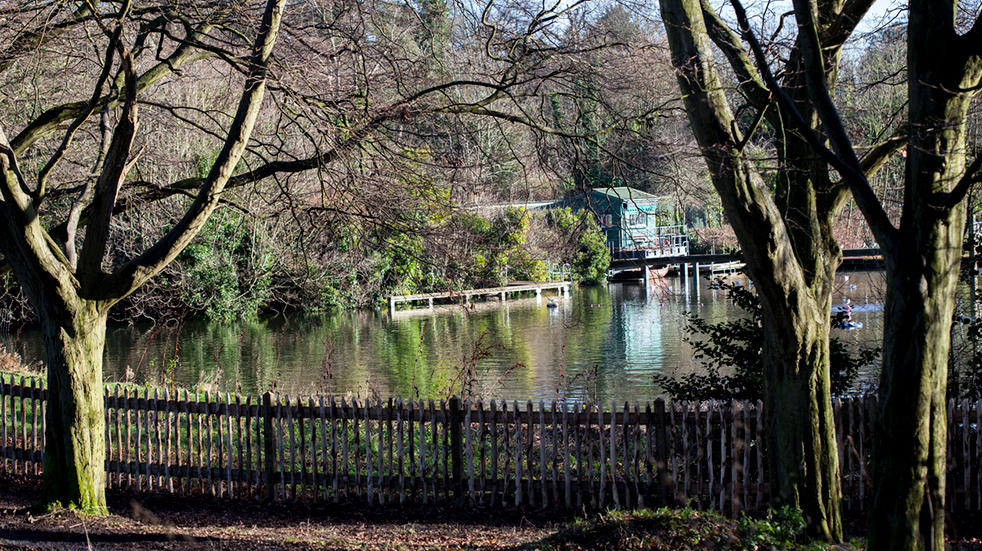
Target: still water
x,y
601,343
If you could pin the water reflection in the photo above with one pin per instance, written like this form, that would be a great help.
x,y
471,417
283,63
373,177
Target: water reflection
x,y
599,344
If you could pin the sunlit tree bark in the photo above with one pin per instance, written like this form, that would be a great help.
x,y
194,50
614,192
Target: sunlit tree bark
x,y
923,257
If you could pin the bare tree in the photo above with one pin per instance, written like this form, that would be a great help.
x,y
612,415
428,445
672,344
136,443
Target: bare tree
x,y
786,236
922,251
69,288
127,122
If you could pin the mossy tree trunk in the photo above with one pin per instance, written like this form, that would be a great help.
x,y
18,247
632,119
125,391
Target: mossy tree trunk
x,y
923,260
922,254
801,446
75,440
72,293
910,437
785,235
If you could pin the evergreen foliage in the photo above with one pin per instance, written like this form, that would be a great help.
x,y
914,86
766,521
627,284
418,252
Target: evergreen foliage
x,y
226,270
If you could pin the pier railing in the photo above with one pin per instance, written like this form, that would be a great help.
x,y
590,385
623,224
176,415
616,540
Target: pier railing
x,y
458,453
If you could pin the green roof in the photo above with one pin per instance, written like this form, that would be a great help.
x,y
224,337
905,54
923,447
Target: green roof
x,y
625,193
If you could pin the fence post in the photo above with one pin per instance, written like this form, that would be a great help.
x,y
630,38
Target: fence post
x,y
268,444
456,451
661,455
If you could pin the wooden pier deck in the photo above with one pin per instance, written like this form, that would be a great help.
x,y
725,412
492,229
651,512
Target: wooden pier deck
x,y
852,259
562,287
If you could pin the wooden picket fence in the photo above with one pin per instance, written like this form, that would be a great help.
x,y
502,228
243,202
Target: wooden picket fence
x,y
457,453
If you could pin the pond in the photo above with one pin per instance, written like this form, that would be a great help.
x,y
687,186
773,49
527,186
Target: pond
x,y
600,343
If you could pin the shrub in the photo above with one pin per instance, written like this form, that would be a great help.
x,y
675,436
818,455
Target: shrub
x,y
227,269
588,253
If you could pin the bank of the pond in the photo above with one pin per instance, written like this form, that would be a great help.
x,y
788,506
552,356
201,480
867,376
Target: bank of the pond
x,y
144,523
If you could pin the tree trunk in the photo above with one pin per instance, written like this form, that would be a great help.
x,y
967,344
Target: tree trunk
x,y
802,453
75,428
923,261
801,449
791,257
910,438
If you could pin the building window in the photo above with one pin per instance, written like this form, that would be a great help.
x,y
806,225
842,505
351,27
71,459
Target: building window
x,y
637,219
606,220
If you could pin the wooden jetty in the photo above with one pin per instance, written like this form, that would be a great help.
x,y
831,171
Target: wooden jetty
x,y
852,259
562,287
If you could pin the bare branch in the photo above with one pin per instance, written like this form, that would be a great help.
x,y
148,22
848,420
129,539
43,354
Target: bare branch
x,y
729,43
850,167
114,171
135,272
843,23
66,142
965,183
971,42
48,121
878,155
75,212
41,35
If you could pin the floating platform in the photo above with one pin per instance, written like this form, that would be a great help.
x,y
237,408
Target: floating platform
x,y
466,296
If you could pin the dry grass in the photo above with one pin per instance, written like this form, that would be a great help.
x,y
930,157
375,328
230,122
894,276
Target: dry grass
x,y
11,362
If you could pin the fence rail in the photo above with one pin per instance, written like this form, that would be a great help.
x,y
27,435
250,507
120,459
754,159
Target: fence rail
x,y
707,455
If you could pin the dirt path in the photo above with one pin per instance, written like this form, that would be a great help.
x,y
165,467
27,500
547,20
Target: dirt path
x,y
156,521
148,521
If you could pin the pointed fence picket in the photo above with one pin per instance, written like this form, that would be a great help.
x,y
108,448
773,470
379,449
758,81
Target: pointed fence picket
x,y
707,455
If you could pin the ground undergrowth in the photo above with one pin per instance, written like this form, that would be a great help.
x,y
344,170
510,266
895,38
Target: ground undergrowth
x,y
149,521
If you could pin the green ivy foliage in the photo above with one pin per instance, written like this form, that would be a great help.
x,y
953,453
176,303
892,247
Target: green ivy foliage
x,y
591,260
227,270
